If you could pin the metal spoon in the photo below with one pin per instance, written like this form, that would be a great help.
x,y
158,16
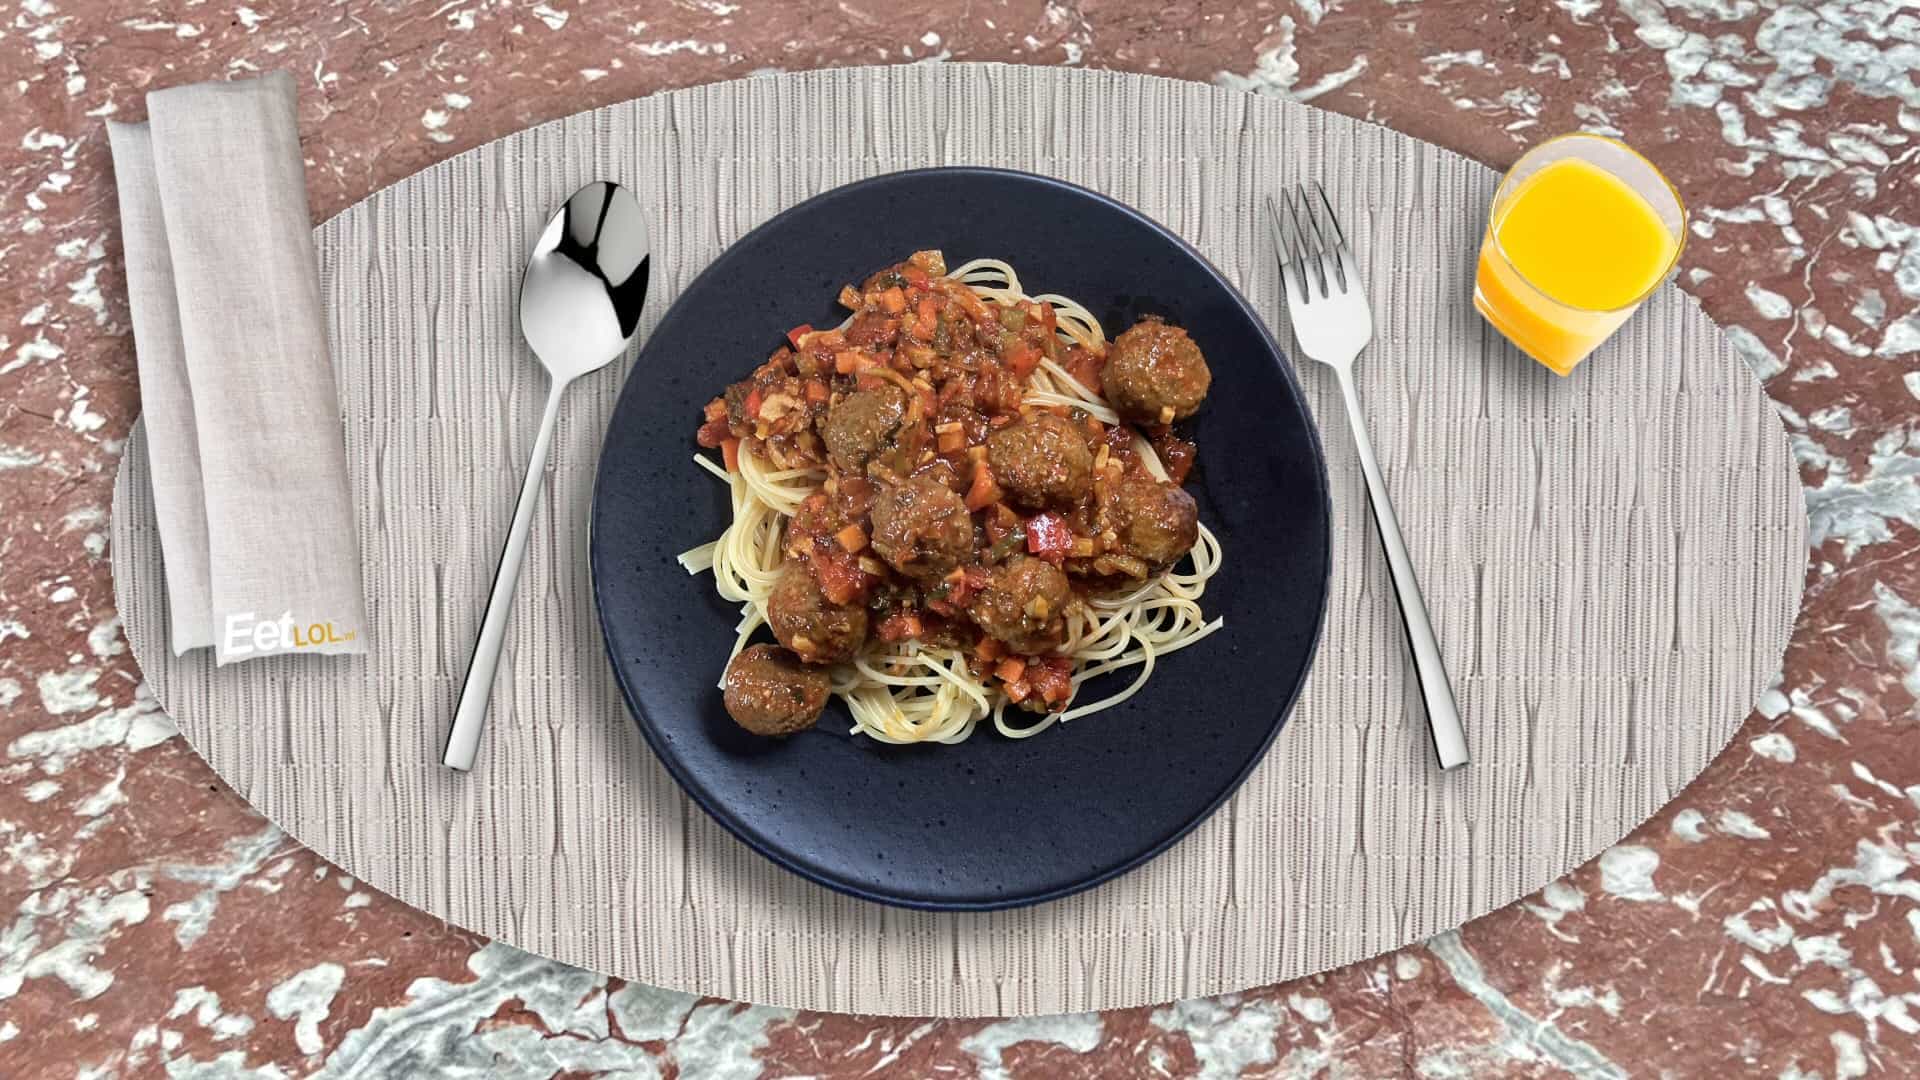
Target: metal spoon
x,y
580,302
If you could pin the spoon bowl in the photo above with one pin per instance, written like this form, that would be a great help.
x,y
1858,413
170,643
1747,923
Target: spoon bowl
x,y
580,303
586,281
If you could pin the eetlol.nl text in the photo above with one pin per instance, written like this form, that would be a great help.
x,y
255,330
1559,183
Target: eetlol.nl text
x,y
247,634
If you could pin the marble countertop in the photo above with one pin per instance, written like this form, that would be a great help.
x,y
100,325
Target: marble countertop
x,y
1766,923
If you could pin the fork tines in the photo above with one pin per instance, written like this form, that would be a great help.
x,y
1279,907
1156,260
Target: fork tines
x,y
1309,240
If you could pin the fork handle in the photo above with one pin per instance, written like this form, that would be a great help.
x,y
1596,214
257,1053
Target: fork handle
x,y
1443,715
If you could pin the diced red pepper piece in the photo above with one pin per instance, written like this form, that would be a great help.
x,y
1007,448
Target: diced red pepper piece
x,y
753,403
713,433
1020,358
1176,454
730,453
1049,536
794,335
1053,686
841,579
1085,367
900,626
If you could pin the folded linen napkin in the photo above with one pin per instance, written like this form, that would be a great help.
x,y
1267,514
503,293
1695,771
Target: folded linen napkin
x,y
243,421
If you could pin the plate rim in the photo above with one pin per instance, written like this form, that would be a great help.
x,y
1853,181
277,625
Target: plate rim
x,y
1281,713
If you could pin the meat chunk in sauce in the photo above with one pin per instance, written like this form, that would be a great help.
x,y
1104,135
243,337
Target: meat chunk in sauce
x,y
1155,374
817,630
921,528
1154,521
1041,461
768,691
862,425
1025,605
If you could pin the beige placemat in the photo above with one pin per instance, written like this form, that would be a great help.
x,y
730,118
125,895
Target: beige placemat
x,y
1614,562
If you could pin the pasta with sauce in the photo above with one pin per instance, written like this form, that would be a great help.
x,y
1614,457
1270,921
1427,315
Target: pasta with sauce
x,y
943,519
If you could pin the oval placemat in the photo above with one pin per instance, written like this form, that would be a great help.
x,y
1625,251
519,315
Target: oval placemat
x,y
1614,562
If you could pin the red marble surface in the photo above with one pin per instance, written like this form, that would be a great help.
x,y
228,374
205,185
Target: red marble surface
x,y
1764,924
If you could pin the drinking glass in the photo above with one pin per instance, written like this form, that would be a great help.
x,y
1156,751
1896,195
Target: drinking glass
x,y
1543,318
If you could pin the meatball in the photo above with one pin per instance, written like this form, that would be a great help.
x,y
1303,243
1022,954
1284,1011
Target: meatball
x,y
921,528
769,691
1025,605
1156,522
817,631
1155,374
1041,460
862,425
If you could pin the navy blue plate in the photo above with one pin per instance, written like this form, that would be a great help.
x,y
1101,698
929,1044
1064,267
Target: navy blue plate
x,y
993,822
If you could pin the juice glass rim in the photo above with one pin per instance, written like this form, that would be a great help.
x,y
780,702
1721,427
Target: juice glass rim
x,y
1680,246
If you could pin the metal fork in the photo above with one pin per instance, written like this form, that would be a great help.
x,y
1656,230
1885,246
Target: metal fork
x,y
1332,320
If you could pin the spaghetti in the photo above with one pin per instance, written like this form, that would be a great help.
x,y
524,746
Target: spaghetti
x,y
939,686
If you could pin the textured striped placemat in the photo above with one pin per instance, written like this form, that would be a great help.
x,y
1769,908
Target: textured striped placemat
x,y
1613,561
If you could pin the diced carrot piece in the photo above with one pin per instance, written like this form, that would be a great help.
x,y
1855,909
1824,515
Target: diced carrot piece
x,y
853,538
953,436
990,649
794,335
1012,669
850,298
848,361
983,492
816,392
893,301
1018,692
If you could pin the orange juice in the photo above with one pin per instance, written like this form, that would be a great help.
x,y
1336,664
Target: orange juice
x,y
1571,249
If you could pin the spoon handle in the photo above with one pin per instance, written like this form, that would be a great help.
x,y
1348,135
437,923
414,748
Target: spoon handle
x,y
463,740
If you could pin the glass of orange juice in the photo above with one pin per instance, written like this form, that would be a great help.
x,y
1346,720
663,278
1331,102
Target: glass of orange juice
x,y
1581,231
